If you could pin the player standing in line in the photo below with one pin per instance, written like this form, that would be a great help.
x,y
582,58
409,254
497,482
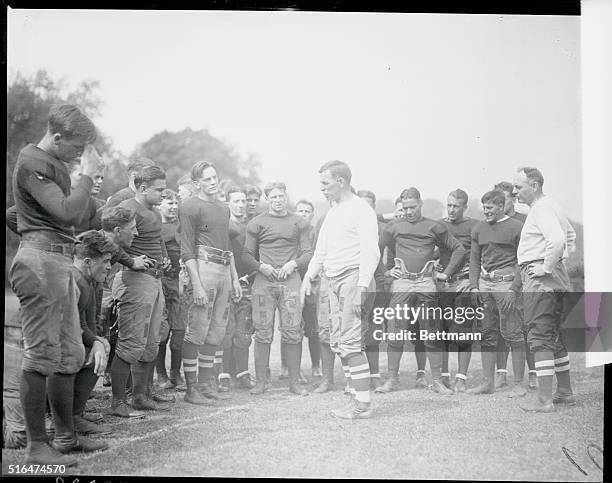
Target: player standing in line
x,y
305,209
253,200
546,241
455,291
240,325
347,250
371,345
140,301
205,250
173,328
41,276
502,350
130,190
411,242
494,276
282,241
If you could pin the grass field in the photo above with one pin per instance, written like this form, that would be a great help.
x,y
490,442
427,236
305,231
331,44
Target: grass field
x,y
415,434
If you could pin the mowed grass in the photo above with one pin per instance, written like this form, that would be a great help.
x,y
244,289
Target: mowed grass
x,y
415,434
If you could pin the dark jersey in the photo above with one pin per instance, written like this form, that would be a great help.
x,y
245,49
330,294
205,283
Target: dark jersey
x,y
520,217
462,231
44,199
87,305
278,239
494,247
202,223
148,223
172,246
415,243
237,231
91,219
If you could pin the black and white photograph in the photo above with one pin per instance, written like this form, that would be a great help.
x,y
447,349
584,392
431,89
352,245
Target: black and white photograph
x,y
301,244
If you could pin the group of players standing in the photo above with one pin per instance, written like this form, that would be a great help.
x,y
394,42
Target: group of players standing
x,y
203,270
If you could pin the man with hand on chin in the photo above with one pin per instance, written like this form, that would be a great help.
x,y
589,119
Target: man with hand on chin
x,y
47,207
277,245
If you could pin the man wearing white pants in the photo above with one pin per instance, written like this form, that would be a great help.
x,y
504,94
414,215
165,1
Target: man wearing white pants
x,y
347,250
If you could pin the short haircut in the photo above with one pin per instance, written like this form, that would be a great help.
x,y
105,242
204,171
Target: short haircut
x,y
338,169
148,174
305,202
198,168
138,163
92,244
185,179
533,174
411,193
251,188
169,194
367,194
497,197
274,185
504,186
234,188
70,122
460,195
116,216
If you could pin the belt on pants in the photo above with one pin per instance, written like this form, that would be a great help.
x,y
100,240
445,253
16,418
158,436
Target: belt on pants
x,y
415,276
406,275
457,277
215,255
525,264
154,272
65,249
491,277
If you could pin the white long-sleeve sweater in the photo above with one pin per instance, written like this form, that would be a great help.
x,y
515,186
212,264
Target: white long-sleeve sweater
x,y
348,239
547,234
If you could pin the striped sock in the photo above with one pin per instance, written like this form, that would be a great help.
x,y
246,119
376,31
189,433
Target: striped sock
x,y
445,374
218,357
375,376
545,369
206,360
460,376
360,376
562,371
190,362
502,371
546,365
562,361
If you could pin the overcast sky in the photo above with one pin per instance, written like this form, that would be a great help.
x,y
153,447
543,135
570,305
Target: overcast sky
x,y
434,101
